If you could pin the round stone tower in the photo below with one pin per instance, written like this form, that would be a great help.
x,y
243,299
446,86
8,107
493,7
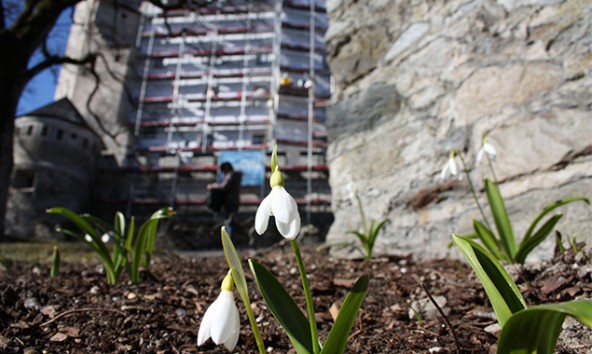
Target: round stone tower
x,y
55,157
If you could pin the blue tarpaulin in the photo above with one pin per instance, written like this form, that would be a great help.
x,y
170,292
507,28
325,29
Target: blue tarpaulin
x,y
251,163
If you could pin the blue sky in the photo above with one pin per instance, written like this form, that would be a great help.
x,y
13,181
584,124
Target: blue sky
x,y
41,89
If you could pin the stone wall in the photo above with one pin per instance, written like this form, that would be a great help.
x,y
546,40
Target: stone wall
x,y
106,98
416,78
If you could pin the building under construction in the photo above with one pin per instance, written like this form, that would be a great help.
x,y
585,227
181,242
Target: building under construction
x,y
227,82
182,91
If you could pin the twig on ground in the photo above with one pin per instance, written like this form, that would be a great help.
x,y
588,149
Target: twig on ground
x,y
84,309
425,288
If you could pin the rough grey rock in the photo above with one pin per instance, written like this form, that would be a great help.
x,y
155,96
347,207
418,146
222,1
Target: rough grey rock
x,y
418,78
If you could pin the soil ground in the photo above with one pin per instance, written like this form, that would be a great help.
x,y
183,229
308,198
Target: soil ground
x,y
77,312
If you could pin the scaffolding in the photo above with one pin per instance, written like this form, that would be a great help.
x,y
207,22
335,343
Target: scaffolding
x,y
238,75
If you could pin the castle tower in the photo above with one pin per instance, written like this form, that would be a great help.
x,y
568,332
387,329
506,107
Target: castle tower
x,y
55,158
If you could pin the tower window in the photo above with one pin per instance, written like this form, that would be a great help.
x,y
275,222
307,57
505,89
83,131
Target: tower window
x,y
30,130
23,178
44,130
60,134
258,139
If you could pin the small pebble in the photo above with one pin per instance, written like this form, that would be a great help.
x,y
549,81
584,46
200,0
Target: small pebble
x,y
180,312
32,303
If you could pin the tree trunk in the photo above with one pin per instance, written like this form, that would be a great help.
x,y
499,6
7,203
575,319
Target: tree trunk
x,y
12,82
6,159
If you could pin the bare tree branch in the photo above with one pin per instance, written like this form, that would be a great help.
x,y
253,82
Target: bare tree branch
x,y
2,20
51,60
37,19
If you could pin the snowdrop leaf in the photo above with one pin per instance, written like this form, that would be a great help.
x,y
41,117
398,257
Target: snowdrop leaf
x,y
536,329
500,217
283,308
274,159
488,238
236,267
504,295
339,333
98,245
538,237
549,208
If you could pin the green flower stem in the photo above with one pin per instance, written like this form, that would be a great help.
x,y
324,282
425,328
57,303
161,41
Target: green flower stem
x,y
362,214
472,188
311,313
255,328
490,164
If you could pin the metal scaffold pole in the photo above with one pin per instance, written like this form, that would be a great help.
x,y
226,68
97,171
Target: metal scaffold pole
x,y
311,98
139,112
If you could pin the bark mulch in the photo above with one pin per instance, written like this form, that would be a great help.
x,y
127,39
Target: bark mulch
x,y
77,312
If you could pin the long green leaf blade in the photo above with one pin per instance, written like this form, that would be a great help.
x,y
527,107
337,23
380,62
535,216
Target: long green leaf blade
x,y
87,228
163,213
337,338
503,293
283,308
500,217
549,208
488,238
538,237
536,329
234,263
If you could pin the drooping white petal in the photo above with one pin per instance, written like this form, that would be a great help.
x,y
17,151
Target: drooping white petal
x,y
206,323
480,155
282,204
221,329
283,228
351,190
294,228
231,341
489,149
453,169
444,171
262,215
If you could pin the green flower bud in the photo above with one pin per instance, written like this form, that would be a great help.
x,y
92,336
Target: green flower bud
x,y
228,282
277,179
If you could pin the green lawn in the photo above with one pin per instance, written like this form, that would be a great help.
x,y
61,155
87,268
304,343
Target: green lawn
x,y
37,252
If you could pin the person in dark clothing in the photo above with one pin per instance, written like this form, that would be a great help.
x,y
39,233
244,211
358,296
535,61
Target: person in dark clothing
x,y
230,193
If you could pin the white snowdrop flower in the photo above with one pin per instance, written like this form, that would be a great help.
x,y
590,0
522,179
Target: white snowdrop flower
x,y
105,238
486,149
282,206
450,167
88,238
351,190
221,322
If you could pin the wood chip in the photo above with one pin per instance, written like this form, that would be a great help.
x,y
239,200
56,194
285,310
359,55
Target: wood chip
x,y
346,283
48,311
58,337
334,310
71,331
